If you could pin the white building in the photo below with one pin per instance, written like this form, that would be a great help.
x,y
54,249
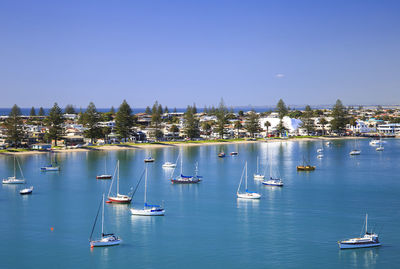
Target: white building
x,y
291,124
390,128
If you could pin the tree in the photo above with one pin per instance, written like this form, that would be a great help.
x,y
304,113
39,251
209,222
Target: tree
x,y
112,110
124,120
241,113
166,110
41,112
13,126
69,109
323,122
191,125
148,110
105,131
54,122
206,127
339,115
194,109
282,111
267,124
90,120
307,121
156,120
252,125
221,114
33,112
237,125
174,129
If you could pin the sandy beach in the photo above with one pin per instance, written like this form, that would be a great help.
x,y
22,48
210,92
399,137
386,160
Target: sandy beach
x,y
178,144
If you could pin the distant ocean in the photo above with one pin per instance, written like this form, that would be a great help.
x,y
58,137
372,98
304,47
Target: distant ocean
x,y
26,111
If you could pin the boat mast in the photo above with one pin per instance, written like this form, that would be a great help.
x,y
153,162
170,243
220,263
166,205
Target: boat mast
x,y
240,183
14,168
145,186
102,218
366,223
246,176
181,164
118,178
257,165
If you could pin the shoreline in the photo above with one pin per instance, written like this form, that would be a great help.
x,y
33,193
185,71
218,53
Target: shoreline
x,y
178,144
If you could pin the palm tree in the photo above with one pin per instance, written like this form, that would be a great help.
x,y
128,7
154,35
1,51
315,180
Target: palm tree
x,y
267,124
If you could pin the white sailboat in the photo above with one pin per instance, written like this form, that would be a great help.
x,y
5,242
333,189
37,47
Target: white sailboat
x,y
380,147
273,180
105,175
369,239
51,167
182,179
26,190
14,179
169,164
257,175
355,151
148,209
105,239
246,194
118,198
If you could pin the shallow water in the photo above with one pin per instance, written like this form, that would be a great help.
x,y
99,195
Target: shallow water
x,y
296,226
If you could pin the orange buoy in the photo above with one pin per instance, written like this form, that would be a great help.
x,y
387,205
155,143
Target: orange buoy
x,y
51,228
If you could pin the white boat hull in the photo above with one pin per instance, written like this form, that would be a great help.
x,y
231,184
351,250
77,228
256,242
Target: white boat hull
x,y
50,168
352,246
273,183
105,243
13,181
26,191
248,195
258,177
147,212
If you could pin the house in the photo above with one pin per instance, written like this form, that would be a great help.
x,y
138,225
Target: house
x,y
41,146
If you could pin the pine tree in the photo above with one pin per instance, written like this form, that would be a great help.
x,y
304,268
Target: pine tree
x,y
112,110
339,114
252,125
33,112
124,120
90,120
13,126
307,121
69,109
282,111
41,112
221,114
54,122
148,110
191,124
166,110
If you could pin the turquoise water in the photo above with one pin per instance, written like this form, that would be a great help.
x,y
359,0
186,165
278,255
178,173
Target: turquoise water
x,y
296,226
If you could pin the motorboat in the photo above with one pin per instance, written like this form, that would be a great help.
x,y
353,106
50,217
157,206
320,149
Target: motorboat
x,y
26,191
305,168
320,156
370,239
221,154
234,153
246,194
149,160
355,152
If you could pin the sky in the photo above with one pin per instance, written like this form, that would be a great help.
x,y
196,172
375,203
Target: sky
x,y
184,52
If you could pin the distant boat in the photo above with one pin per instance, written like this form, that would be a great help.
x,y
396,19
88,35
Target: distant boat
x,y
380,147
105,239
320,156
14,179
320,150
148,210
169,165
328,143
221,154
234,153
273,180
105,175
118,198
53,166
355,151
26,191
369,239
257,175
149,160
182,179
246,194
305,166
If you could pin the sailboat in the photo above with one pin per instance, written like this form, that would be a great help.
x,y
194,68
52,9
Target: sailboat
x,y
118,198
273,181
182,179
257,175
246,194
148,209
169,164
369,239
105,239
380,147
51,167
305,166
105,175
355,151
14,179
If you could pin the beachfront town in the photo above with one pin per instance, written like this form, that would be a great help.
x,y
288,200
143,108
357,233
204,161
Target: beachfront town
x,y
69,128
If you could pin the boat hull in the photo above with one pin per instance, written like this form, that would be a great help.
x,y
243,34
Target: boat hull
x,y
147,212
305,168
50,168
13,181
178,181
353,246
100,243
258,177
119,200
104,177
248,195
26,191
273,184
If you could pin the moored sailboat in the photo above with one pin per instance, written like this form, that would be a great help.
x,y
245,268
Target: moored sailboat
x,y
369,239
182,179
105,175
14,179
118,198
246,194
148,209
105,239
257,175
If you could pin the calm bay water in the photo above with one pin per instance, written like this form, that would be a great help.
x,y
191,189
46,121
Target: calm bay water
x,y
296,226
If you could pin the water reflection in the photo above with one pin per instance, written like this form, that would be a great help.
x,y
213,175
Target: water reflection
x,y
364,258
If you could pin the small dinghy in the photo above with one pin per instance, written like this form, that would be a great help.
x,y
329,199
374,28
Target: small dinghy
x,y
26,191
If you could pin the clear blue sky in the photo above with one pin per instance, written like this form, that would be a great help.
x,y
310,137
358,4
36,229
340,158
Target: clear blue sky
x,y
184,52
